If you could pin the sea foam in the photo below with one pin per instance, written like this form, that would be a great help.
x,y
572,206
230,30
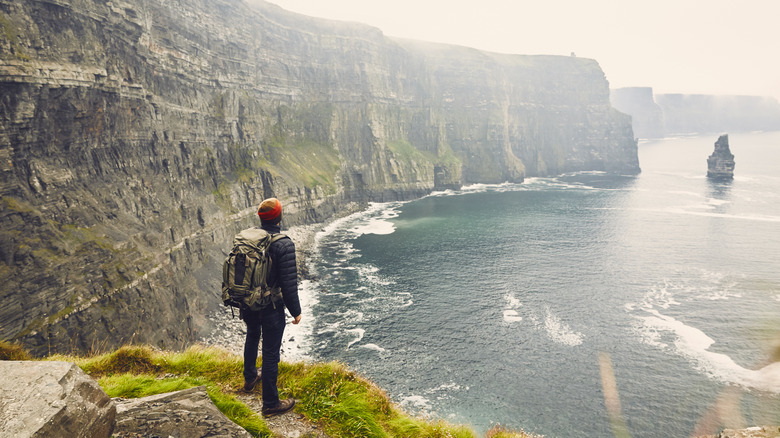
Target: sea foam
x,y
694,344
559,332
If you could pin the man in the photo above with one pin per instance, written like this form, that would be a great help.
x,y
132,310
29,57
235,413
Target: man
x,y
270,321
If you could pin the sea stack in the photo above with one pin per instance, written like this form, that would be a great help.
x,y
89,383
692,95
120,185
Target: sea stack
x,y
720,165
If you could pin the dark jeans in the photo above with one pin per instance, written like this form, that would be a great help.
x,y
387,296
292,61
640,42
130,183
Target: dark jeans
x,y
270,323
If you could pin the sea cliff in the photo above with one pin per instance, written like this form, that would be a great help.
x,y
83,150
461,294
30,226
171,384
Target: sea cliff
x,y
138,136
661,115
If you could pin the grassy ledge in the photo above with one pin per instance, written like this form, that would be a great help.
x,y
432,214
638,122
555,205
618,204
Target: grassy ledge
x,y
340,401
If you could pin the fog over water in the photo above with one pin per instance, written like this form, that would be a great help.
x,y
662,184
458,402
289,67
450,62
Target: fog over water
x,y
674,46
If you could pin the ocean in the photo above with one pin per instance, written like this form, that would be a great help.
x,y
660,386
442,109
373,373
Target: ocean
x,y
537,305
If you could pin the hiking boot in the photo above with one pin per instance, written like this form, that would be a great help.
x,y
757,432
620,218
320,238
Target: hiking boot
x,y
249,386
281,408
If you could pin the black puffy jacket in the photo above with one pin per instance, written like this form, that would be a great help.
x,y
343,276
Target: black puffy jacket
x,y
284,270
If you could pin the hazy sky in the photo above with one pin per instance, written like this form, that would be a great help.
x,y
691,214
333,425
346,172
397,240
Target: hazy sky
x,y
675,46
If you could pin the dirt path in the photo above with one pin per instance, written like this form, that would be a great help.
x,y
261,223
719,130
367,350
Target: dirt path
x,y
288,425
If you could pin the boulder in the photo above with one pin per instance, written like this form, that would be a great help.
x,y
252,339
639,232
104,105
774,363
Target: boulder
x,y
52,399
182,414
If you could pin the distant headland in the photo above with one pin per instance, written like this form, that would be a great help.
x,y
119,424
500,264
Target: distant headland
x,y
661,115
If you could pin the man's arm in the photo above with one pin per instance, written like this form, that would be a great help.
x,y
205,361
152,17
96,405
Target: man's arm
x,y
288,276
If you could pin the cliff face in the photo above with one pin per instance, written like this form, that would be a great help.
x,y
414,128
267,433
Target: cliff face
x,y
137,137
660,115
646,116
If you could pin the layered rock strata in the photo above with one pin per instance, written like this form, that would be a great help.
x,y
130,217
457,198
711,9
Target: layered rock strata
x,y
138,136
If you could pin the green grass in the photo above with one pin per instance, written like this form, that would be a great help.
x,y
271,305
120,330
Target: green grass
x,y
351,406
339,401
10,33
314,164
405,151
499,431
142,385
17,205
9,351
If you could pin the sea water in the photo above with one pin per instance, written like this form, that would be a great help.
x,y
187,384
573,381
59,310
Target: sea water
x,y
527,304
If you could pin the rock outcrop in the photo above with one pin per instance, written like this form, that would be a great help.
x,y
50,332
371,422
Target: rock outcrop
x,y
137,137
720,165
181,414
51,399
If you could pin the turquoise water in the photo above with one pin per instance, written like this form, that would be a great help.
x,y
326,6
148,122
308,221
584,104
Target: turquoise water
x,y
493,304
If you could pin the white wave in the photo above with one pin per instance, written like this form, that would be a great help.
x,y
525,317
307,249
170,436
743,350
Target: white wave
x,y
501,187
477,187
512,316
416,403
340,318
346,251
339,294
359,333
560,332
719,295
361,221
451,386
369,274
712,287
407,296
298,337
694,344
373,347
376,219
351,315
663,296
442,193
374,226
512,301
510,313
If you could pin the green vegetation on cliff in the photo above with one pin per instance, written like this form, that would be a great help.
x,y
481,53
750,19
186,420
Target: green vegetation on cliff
x,y
340,401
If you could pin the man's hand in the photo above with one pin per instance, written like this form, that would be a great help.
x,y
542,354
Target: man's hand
x,y
297,319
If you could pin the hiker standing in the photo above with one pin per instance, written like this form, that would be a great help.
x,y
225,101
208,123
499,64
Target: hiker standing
x,y
270,321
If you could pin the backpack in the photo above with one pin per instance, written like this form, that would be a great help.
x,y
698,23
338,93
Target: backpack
x,y
246,269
